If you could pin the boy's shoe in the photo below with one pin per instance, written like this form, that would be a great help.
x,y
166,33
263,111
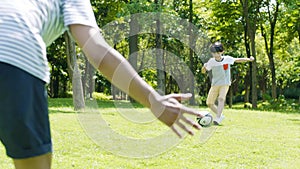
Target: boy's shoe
x,y
217,121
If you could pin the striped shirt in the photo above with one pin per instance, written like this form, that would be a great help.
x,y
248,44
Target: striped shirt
x,y
220,70
27,27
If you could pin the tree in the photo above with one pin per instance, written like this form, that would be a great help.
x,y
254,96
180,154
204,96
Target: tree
x,y
291,19
59,78
272,15
78,97
191,51
161,80
250,14
88,81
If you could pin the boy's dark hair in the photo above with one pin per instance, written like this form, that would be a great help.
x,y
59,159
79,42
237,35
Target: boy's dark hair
x,y
216,47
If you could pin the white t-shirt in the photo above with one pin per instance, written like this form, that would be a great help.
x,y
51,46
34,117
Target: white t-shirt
x,y
220,70
28,27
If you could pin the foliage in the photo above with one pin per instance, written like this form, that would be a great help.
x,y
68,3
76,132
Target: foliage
x,y
213,20
224,23
288,67
102,85
289,18
101,96
59,83
280,104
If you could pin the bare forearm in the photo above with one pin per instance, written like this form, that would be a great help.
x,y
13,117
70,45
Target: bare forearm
x,y
112,64
240,60
118,70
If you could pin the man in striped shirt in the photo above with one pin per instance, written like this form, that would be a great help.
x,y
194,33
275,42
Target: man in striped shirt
x,y
26,29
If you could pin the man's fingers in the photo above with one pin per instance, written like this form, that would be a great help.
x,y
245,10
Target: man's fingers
x,y
171,102
180,96
176,131
191,122
191,111
186,129
183,123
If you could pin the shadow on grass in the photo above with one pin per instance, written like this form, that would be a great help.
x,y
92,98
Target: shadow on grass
x,y
284,109
60,102
65,105
296,121
52,111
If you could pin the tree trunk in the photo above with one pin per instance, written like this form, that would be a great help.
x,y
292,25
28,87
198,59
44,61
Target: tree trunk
x,y
54,84
230,97
78,97
133,44
161,79
191,52
254,86
248,75
88,79
251,21
270,50
271,53
254,70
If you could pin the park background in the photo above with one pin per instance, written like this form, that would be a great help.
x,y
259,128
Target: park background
x,y
262,129
267,30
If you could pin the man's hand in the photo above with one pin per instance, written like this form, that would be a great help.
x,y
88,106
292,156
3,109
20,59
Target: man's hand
x,y
169,111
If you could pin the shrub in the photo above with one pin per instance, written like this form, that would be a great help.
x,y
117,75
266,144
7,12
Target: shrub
x,y
101,96
280,104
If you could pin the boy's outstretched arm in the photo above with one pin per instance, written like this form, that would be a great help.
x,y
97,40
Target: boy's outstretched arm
x,y
118,70
239,60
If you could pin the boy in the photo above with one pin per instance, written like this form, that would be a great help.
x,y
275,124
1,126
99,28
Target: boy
x,y
221,79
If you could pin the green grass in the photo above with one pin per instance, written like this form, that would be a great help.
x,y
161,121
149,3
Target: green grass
x,y
247,139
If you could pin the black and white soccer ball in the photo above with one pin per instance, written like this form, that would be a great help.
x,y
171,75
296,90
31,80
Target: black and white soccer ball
x,y
206,120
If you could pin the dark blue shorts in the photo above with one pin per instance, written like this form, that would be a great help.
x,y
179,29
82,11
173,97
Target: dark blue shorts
x,y
24,120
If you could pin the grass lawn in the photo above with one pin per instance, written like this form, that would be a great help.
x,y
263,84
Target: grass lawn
x,y
247,139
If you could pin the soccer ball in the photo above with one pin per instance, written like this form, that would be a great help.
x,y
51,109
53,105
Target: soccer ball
x,y
206,120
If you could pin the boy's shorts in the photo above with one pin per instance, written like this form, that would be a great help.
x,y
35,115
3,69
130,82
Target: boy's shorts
x,y
24,120
216,92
